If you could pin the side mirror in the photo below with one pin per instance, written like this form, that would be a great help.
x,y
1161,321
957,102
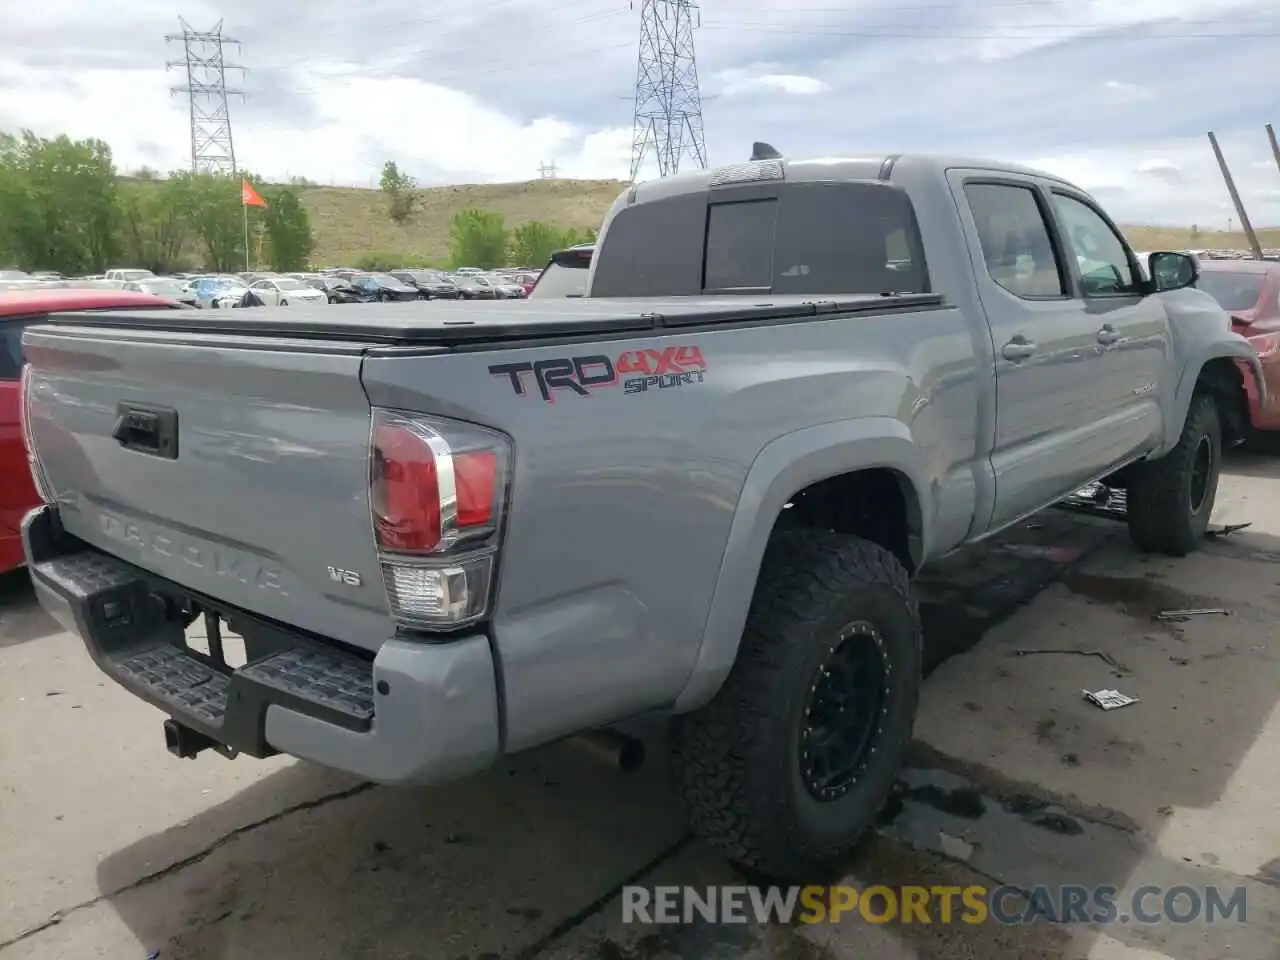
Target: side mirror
x,y
1172,271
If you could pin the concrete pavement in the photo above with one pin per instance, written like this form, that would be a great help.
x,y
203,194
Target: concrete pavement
x,y
114,849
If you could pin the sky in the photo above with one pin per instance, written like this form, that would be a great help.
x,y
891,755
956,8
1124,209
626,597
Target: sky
x,y
1115,97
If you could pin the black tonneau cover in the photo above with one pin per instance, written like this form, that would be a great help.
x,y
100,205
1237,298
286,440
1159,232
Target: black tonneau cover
x,y
449,323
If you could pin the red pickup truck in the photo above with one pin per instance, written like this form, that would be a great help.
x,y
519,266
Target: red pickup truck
x,y
18,308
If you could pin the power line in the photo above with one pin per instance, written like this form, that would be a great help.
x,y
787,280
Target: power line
x,y
668,102
212,146
547,171
1046,32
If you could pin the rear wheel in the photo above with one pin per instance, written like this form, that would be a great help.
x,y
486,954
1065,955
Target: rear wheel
x,y
1171,499
284,303
785,769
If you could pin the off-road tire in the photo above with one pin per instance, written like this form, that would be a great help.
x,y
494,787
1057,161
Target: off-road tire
x,y
1160,492
736,760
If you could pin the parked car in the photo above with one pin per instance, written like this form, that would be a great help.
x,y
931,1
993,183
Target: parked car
x,y
565,274
1249,290
430,284
18,310
733,455
126,274
339,290
383,286
169,287
283,291
503,288
470,287
220,291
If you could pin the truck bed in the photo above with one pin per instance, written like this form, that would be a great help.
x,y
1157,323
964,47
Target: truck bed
x,y
448,324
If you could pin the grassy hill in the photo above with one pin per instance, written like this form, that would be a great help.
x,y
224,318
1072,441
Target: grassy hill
x,y
350,221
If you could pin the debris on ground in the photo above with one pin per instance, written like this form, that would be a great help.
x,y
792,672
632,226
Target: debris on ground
x,y
957,848
1036,551
1227,530
1109,699
1188,614
1082,653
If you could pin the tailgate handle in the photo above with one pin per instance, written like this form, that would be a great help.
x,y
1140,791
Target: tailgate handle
x,y
147,429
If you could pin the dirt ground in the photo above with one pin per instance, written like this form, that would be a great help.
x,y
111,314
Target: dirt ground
x,y
111,848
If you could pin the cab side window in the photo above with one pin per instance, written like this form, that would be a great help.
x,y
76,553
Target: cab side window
x,y
1015,241
1103,258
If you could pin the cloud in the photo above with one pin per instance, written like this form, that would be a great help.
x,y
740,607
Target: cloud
x,y
1115,96
1162,170
738,81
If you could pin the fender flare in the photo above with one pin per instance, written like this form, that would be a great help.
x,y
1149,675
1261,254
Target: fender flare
x,y
784,467
1235,348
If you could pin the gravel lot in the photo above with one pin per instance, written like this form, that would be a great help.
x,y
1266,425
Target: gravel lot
x,y
114,849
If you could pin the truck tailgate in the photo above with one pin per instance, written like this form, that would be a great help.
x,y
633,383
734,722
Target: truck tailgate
x,y
236,467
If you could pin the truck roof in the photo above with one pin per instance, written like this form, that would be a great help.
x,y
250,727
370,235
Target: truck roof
x,y
432,322
867,166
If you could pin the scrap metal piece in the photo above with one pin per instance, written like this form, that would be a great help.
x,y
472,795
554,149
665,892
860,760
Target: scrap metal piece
x,y
1083,653
1109,699
1188,614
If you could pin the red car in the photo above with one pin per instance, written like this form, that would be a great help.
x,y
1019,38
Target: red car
x,y
18,309
1249,290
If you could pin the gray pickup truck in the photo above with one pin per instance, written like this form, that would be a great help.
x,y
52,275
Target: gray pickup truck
x,y
699,493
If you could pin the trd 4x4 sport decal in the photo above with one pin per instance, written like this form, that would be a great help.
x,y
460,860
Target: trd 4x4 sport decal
x,y
639,371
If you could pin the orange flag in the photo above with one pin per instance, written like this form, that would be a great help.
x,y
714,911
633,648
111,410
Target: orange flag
x,y
249,196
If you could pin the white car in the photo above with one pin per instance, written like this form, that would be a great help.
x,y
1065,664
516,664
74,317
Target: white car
x,y
282,291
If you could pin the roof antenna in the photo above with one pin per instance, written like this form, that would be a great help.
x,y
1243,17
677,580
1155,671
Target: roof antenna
x,y
763,151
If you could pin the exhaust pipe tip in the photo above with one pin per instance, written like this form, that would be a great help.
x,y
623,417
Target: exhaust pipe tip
x,y
631,755
617,749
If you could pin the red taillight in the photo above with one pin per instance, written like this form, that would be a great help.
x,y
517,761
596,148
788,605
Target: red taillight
x,y
28,439
476,477
24,417
437,488
406,490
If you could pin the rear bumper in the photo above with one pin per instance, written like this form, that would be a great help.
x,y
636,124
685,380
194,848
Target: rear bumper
x,y
416,713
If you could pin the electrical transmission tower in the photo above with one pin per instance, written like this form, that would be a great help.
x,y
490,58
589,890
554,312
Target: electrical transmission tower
x,y
668,114
212,147
547,171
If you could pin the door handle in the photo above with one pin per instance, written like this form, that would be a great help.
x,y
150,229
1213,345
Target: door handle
x,y
1108,335
1019,348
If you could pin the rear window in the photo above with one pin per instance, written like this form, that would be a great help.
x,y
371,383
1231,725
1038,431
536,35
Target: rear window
x,y
560,280
1233,291
850,237
11,348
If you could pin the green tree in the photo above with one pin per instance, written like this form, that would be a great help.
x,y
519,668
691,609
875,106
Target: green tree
x,y
16,211
153,231
288,229
574,236
210,204
478,238
399,190
58,203
533,243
